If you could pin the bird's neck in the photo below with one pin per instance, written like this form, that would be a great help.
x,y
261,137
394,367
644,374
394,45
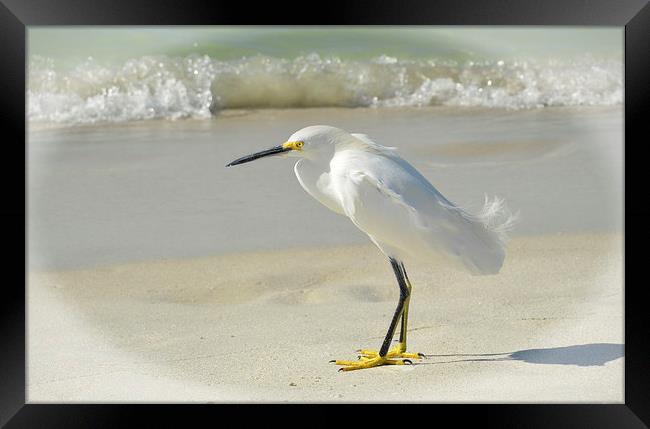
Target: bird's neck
x,y
314,176
321,154
315,165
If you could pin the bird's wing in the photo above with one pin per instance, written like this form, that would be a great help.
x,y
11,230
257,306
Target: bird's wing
x,y
400,210
379,209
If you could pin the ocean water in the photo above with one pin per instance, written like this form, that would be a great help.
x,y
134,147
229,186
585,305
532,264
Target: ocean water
x,y
115,74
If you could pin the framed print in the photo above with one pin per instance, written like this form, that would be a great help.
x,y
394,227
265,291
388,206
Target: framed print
x,y
450,228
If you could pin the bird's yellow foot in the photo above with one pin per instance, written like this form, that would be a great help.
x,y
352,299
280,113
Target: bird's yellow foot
x,y
397,352
370,358
369,362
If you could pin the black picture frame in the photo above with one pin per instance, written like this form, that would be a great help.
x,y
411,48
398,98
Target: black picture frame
x,y
17,15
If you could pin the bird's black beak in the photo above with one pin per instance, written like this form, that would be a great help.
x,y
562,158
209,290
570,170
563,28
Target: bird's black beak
x,y
268,152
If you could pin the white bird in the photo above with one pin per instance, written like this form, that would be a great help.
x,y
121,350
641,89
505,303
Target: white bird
x,y
401,212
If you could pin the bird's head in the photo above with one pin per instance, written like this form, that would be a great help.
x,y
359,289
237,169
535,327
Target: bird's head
x,y
309,142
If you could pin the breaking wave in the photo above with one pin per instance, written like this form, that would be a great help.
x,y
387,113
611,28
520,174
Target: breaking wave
x,y
198,86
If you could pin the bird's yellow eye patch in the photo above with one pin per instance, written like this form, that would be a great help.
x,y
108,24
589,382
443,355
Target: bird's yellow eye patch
x,y
293,145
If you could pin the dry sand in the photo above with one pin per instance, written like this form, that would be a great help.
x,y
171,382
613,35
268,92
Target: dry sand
x,y
262,326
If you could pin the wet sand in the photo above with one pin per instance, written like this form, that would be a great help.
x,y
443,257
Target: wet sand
x,y
144,191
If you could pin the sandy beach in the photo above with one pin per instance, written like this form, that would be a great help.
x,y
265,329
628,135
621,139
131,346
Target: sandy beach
x,y
156,274
262,327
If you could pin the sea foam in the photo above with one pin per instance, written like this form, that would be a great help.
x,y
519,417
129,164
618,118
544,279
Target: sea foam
x,y
198,86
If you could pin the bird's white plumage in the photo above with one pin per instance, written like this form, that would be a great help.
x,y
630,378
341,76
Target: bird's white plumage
x,y
388,199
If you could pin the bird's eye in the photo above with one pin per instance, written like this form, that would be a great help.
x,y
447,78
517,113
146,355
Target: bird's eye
x,y
300,144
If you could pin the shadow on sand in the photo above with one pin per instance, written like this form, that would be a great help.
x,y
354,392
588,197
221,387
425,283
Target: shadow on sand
x,y
596,354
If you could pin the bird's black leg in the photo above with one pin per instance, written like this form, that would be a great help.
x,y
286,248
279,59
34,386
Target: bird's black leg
x,y
405,310
403,295
396,355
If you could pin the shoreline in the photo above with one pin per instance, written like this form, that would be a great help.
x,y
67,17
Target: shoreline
x,y
237,112
297,249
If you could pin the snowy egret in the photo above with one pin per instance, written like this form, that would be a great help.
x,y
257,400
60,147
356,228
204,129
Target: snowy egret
x,y
401,212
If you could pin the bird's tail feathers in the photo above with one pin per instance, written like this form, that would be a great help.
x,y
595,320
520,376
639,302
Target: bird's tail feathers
x,y
497,217
494,216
